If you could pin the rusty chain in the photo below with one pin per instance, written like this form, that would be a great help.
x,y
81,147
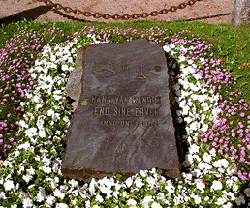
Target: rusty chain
x,y
117,16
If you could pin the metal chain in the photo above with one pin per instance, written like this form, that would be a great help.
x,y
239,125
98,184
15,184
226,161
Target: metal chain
x,y
117,16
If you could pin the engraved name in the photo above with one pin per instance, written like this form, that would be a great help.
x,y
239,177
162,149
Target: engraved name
x,y
120,111
105,99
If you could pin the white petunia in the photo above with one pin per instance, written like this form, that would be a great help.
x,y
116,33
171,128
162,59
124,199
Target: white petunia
x,y
58,193
50,112
129,182
181,58
216,185
31,132
206,157
41,195
99,198
199,184
23,124
197,198
52,58
138,182
61,205
146,200
27,178
156,205
194,149
42,133
131,203
8,185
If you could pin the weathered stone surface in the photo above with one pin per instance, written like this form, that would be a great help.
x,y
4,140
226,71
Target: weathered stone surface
x,y
123,123
73,87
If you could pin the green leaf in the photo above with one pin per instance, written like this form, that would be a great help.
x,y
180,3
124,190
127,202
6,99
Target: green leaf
x,y
237,76
84,103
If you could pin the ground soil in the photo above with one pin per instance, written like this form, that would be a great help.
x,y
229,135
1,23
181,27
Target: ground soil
x,y
14,10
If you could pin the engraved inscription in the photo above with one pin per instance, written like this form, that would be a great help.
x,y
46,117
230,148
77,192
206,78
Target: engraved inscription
x,y
100,99
125,69
125,123
147,112
141,75
104,67
146,100
101,111
121,111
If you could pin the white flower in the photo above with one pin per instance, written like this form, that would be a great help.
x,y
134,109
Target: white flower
x,y
199,184
197,198
138,182
8,185
169,187
92,186
57,97
99,198
228,205
190,62
70,59
206,198
37,99
182,58
65,67
87,204
156,205
41,195
27,202
206,157
46,169
167,48
194,149
212,152
58,193
146,200
38,106
151,181
131,203
52,58
217,185
73,183
31,132
143,173
61,205
42,133
50,112
27,178
23,124
129,182
221,200
185,110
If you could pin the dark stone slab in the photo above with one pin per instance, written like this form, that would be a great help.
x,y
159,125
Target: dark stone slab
x,y
123,123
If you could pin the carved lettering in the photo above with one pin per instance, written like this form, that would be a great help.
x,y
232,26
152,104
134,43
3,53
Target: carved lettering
x,y
100,99
122,99
101,111
121,111
107,123
126,123
146,112
146,100
125,69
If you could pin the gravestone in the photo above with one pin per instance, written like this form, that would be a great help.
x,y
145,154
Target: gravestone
x,y
123,122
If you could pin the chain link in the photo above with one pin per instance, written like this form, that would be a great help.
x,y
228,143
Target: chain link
x,y
117,16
